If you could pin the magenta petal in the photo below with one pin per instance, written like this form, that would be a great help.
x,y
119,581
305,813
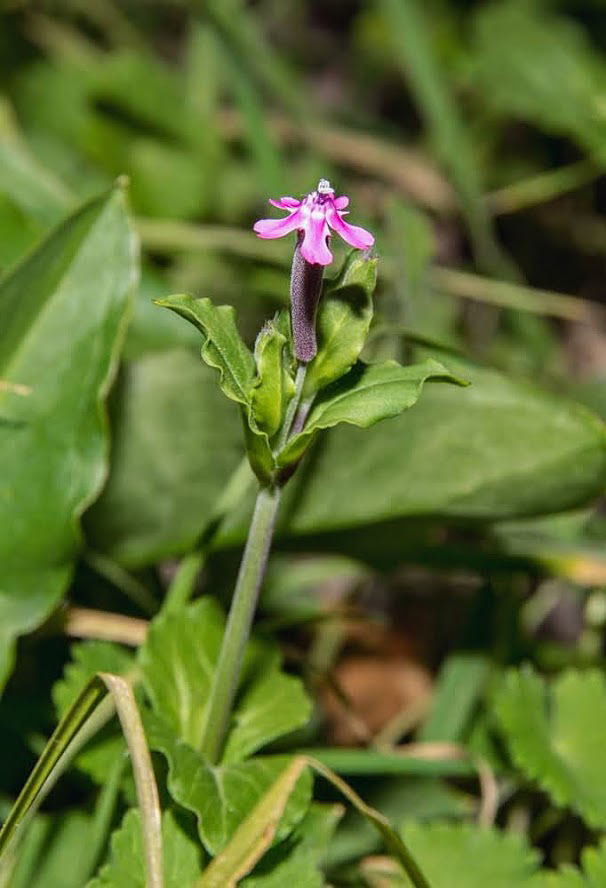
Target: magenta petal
x,y
351,234
268,228
285,203
314,248
340,203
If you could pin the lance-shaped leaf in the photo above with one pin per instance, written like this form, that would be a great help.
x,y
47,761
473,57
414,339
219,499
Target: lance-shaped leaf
x,y
223,347
273,386
343,320
62,313
366,395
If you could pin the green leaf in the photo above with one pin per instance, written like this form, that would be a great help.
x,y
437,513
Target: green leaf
x,y
87,659
273,387
343,321
176,441
464,856
178,661
462,679
556,736
62,315
298,860
126,869
223,348
499,448
366,395
255,833
221,796
513,41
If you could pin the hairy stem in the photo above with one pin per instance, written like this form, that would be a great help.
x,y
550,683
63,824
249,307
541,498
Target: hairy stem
x,y
237,630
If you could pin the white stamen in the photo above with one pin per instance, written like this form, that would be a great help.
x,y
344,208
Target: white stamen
x,y
324,187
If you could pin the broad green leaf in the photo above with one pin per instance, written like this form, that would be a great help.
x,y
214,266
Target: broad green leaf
x,y
178,661
87,659
125,869
556,736
223,348
62,315
514,41
298,861
497,449
366,395
343,321
271,388
176,441
221,796
465,856
255,833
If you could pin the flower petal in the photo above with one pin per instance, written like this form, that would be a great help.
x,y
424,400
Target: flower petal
x,y
351,234
286,203
269,228
314,248
340,203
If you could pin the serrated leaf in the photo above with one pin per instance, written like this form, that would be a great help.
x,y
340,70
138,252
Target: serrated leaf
x,y
126,868
366,395
271,389
465,856
222,796
342,323
62,314
178,661
223,348
87,659
556,736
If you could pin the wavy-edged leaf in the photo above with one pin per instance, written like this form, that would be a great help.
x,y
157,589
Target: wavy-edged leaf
x,y
465,856
556,736
62,315
223,348
178,661
593,874
222,796
272,387
126,868
343,321
363,397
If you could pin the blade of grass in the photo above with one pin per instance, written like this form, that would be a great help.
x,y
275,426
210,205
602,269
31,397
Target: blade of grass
x,y
392,840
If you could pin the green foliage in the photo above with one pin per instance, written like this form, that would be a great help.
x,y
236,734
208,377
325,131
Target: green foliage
x,y
343,321
555,735
273,386
62,313
222,796
125,868
463,856
363,397
178,661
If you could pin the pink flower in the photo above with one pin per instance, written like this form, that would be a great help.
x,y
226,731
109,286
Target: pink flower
x,y
314,216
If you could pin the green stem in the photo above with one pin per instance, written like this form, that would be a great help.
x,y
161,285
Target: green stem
x,y
237,631
293,406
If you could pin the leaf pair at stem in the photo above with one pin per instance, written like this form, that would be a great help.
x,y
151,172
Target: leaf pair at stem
x,y
283,409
